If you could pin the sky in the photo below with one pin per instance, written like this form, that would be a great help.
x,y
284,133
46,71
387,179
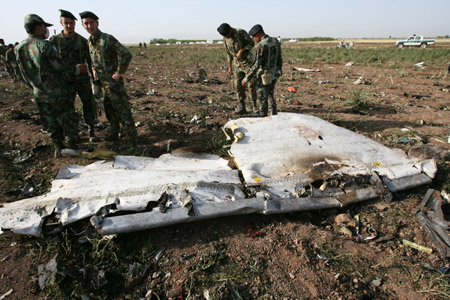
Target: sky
x,y
134,21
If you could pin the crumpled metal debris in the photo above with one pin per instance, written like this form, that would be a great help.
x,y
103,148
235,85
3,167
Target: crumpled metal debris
x,y
88,277
313,165
433,221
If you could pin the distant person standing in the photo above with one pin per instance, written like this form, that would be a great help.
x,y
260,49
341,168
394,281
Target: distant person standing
x,y
3,49
140,46
11,65
43,70
267,68
238,45
110,60
145,46
73,49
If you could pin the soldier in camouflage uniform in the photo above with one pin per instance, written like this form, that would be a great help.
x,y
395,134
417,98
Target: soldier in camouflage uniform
x,y
11,64
238,45
3,49
110,60
73,49
266,69
43,70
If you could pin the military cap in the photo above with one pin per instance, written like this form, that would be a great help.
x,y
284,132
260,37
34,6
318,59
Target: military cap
x,y
224,29
67,14
88,14
35,19
255,29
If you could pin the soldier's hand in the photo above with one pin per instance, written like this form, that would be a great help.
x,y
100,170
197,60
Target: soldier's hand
x,y
83,68
116,76
230,72
243,82
94,74
97,89
239,54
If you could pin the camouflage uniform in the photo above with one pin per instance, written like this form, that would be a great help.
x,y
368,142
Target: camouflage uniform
x,y
3,49
105,53
269,60
241,40
44,71
75,50
11,64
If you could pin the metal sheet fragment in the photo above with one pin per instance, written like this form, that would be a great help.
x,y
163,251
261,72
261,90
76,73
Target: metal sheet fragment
x,y
289,162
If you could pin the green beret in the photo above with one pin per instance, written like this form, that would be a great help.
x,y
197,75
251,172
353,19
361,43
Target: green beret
x,y
35,19
88,14
255,29
67,14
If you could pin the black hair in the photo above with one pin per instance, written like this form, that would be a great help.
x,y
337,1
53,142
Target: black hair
x,y
31,28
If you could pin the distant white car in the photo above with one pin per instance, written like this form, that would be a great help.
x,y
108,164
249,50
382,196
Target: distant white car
x,y
414,41
292,41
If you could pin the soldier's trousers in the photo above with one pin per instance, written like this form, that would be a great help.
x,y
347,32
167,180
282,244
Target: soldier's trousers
x,y
240,90
84,91
11,70
264,91
118,108
60,118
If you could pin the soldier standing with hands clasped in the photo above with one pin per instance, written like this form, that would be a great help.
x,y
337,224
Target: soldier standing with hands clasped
x,y
110,60
73,49
43,71
239,45
266,69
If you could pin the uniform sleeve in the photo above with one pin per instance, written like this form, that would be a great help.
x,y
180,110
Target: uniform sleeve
x,y
247,41
55,61
229,56
87,56
258,62
124,55
280,57
22,76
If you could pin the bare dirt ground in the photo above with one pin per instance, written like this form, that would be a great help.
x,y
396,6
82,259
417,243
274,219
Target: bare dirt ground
x,y
289,256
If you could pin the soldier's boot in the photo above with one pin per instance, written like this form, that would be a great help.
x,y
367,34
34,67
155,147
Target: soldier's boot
x,y
112,137
58,145
274,110
241,110
73,143
92,137
255,107
264,109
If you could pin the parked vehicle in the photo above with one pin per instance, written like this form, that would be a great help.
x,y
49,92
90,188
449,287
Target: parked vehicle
x,y
414,41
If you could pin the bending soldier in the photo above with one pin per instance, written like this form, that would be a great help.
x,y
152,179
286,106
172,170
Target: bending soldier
x,y
238,45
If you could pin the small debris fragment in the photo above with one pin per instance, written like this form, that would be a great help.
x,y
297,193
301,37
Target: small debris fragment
x,y
292,89
420,65
6,294
416,246
303,70
376,282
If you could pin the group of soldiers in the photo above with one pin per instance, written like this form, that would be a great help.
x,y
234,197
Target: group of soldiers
x,y
8,59
142,44
66,65
258,70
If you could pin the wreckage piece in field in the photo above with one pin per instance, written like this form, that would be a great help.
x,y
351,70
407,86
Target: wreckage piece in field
x,y
433,220
289,162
